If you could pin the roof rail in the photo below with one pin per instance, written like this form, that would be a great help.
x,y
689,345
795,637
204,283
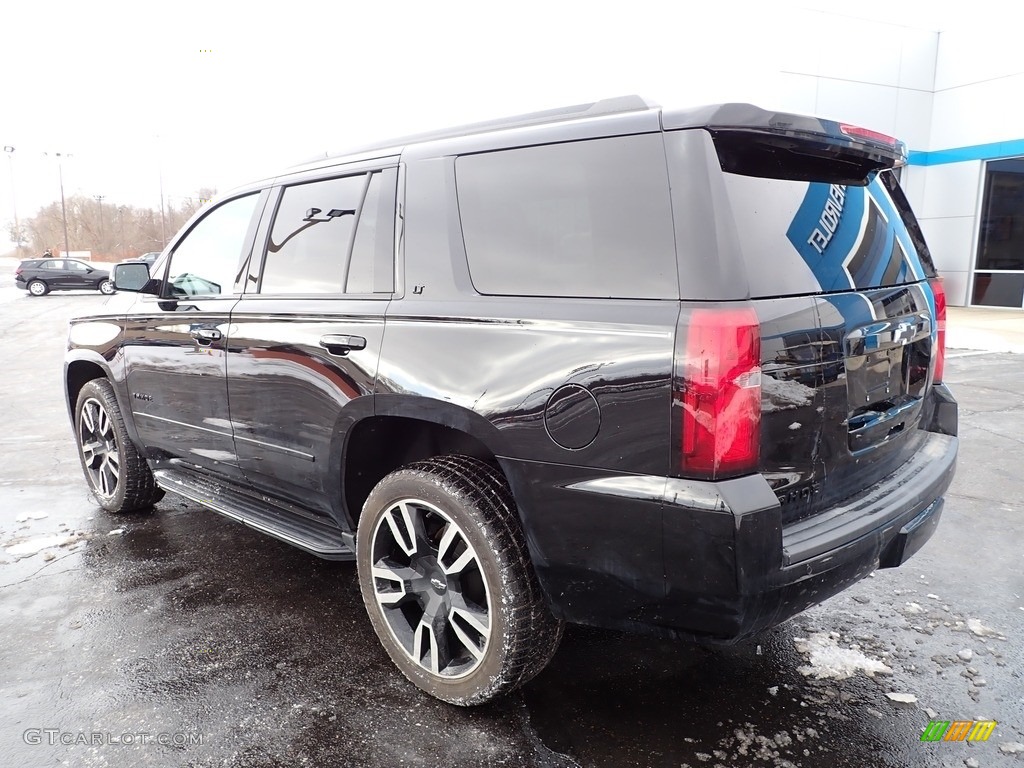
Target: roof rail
x,y
612,106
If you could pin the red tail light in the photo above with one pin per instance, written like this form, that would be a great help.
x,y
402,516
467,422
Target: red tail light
x,y
857,132
721,393
940,321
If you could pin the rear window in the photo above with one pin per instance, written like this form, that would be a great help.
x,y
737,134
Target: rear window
x,y
800,237
584,219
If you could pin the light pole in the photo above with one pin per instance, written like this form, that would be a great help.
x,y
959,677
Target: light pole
x,y
99,201
163,225
63,208
17,228
160,172
120,218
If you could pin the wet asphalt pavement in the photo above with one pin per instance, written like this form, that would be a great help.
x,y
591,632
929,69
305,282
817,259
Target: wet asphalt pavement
x,y
180,638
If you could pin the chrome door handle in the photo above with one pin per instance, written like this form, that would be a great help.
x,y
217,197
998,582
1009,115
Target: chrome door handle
x,y
206,335
342,345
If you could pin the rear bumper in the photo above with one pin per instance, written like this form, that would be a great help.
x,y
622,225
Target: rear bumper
x,y
712,560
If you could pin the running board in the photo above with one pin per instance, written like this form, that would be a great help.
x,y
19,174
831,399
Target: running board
x,y
320,539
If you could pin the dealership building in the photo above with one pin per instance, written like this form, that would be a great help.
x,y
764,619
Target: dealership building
x,y
956,97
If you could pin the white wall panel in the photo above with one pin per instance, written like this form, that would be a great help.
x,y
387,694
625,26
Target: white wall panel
x,y
971,52
860,50
913,183
951,242
917,59
957,288
870,106
792,93
979,114
799,42
950,190
913,118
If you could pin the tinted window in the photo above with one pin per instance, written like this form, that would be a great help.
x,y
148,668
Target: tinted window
x,y
76,266
812,237
206,261
333,236
372,267
54,264
590,218
999,274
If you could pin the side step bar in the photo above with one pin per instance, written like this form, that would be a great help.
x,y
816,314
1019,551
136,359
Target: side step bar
x,y
318,538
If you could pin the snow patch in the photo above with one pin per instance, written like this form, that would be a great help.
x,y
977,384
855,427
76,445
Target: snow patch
x,y
785,395
33,546
902,698
827,660
979,629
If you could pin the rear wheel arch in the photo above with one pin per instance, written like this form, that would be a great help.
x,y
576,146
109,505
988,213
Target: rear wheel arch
x,y
378,445
447,581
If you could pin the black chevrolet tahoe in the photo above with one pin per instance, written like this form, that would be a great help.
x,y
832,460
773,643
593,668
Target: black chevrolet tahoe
x,y
663,371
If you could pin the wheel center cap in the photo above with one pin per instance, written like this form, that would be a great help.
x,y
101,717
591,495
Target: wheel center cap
x,y
438,583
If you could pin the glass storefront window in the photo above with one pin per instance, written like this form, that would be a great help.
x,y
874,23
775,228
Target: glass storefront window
x,y
999,270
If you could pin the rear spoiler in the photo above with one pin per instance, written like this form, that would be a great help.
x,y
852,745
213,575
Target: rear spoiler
x,y
756,142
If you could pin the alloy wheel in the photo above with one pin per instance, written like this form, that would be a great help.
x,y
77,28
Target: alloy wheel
x,y
430,588
98,444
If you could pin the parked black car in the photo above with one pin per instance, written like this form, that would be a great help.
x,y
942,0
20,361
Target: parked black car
x,y
672,372
40,276
149,257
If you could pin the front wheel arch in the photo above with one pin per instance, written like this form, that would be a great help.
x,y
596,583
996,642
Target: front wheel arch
x,y
117,475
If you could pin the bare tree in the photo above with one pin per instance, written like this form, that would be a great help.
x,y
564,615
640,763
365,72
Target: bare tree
x,y
110,231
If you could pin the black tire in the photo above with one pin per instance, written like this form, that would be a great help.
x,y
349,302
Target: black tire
x,y
37,288
119,478
106,287
464,507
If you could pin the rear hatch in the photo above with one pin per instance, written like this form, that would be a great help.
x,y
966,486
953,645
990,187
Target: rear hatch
x,y
814,235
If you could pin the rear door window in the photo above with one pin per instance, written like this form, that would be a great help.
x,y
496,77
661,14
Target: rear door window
x,y
333,236
587,219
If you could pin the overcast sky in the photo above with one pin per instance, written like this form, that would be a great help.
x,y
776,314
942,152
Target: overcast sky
x,y
211,94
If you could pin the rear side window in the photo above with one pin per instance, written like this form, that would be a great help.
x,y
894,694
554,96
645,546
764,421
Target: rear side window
x,y
585,219
333,236
801,237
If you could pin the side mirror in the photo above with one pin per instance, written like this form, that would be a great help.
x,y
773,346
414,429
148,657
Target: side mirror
x,y
131,277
